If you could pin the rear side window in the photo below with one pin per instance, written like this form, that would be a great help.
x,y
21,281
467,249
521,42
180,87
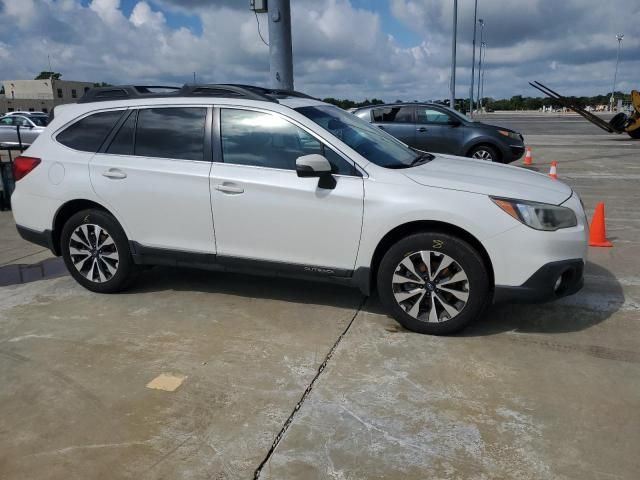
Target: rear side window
x,y
398,114
88,134
171,133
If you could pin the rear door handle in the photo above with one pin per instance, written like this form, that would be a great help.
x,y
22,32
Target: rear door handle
x,y
114,174
421,129
231,188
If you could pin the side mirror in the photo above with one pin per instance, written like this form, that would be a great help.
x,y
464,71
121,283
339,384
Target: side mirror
x,y
454,122
316,166
312,166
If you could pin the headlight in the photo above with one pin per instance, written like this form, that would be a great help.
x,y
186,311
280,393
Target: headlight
x,y
540,216
514,135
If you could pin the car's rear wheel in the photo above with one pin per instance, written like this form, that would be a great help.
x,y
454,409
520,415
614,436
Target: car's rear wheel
x,y
96,251
433,283
484,152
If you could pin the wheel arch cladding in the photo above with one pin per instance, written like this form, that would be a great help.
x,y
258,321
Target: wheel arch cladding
x,y
65,212
426,226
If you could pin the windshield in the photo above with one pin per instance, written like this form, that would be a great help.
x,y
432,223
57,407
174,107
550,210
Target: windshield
x,y
458,114
39,120
369,141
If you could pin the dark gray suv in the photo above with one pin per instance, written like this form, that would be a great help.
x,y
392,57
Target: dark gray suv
x,y
436,128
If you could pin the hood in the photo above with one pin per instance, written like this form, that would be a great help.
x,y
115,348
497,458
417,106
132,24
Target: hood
x,y
477,176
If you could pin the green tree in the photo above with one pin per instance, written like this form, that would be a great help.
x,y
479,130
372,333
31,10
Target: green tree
x,y
47,75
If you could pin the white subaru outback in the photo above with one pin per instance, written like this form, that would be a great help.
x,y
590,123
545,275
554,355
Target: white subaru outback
x,y
231,177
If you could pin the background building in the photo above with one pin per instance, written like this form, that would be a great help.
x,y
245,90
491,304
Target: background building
x,y
39,95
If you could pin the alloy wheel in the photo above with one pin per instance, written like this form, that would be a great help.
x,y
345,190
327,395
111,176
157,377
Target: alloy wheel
x,y
482,155
430,286
93,253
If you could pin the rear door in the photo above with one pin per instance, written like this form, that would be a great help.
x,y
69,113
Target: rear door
x,y
153,173
437,131
398,120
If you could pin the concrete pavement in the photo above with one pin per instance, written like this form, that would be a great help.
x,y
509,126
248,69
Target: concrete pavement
x,y
532,392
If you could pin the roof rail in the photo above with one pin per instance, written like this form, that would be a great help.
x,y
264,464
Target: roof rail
x,y
121,92
250,92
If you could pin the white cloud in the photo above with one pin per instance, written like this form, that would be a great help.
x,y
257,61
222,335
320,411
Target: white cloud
x,y
143,15
339,50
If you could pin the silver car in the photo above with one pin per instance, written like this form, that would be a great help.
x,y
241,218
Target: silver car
x,y
30,128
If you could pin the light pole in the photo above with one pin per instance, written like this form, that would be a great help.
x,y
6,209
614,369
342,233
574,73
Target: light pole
x,y
452,86
619,36
281,58
478,99
473,57
483,45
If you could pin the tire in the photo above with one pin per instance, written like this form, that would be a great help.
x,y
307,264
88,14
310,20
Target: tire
x,y
484,152
453,312
106,269
635,134
619,122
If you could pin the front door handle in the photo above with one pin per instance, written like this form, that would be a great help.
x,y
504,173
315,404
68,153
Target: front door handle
x,y
231,188
114,173
421,129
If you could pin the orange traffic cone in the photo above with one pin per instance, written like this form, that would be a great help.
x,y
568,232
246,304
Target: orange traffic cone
x,y
598,231
553,171
528,158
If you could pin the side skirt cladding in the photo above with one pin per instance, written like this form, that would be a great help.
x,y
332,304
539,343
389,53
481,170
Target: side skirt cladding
x,y
143,255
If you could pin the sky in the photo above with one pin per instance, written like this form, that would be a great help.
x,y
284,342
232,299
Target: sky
x,y
389,49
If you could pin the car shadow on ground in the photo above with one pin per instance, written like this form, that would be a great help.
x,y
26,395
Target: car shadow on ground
x,y
601,297
160,278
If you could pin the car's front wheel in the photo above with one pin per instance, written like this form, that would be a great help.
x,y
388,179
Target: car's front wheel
x,y
433,283
484,152
96,251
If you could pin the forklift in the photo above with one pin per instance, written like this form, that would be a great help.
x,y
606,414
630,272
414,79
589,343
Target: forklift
x,y
621,122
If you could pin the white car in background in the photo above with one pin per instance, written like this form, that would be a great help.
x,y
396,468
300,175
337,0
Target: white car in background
x,y
30,128
230,177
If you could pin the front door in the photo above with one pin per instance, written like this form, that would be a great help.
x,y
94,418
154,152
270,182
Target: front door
x,y
437,131
154,175
263,211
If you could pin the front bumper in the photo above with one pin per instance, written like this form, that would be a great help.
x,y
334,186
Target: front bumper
x,y
542,286
512,152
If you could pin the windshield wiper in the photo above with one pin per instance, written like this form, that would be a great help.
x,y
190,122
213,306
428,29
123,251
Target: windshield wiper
x,y
422,159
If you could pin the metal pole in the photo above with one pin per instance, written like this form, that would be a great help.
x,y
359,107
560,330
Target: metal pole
x,y
619,36
452,87
478,99
484,68
280,50
473,58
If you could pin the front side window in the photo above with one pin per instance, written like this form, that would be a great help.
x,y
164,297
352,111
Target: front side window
x,y
88,134
176,133
265,140
430,115
399,114
23,122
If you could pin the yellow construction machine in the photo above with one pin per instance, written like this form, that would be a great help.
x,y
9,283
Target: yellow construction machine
x,y
621,122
